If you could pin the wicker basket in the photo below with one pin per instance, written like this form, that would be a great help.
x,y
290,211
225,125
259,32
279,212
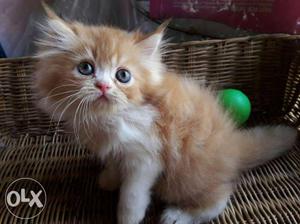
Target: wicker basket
x,y
266,68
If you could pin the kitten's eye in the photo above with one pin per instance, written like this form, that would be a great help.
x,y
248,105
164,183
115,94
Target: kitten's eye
x,y
123,75
85,68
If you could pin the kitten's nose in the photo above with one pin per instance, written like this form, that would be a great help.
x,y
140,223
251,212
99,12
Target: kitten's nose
x,y
102,86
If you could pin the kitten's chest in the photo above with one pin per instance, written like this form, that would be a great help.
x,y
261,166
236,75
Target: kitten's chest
x,y
129,130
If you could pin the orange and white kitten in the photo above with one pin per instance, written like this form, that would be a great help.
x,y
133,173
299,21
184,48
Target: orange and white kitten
x,y
156,131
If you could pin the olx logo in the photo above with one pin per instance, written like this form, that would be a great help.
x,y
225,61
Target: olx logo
x,y
22,198
25,192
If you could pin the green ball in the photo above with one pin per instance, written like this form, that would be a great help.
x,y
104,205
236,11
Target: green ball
x,y
237,103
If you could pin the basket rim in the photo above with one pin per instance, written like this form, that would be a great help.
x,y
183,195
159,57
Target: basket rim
x,y
18,59
190,43
236,39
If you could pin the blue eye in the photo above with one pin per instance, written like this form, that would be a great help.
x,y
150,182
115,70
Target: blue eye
x,y
85,68
123,76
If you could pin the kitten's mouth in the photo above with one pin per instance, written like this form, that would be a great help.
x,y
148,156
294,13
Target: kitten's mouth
x,y
103,97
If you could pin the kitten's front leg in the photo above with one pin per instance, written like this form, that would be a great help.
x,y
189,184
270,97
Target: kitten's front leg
x,y
135,191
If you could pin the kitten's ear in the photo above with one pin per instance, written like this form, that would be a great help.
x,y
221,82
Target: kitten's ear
x,y
55,22
58,34
49,12
152,43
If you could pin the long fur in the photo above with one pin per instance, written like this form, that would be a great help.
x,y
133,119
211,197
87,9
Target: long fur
x,y
159,132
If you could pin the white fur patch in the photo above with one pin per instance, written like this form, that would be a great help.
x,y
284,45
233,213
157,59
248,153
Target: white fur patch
x,y
156,68
130,130
139,177
178,216
150,49
174,215
151,44
57,37
134,141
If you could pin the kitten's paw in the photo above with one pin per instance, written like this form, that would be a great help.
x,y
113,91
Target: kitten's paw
x,y
175,216
108,181
127,217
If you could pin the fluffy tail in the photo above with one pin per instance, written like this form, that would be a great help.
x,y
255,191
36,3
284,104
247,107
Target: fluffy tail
x,y
260,144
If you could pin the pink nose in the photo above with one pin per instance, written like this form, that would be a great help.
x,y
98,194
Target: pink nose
x,y
102,86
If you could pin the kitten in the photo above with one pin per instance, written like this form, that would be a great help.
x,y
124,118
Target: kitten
x,y
155,131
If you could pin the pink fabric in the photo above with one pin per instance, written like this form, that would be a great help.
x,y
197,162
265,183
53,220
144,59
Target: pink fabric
x,y
268,16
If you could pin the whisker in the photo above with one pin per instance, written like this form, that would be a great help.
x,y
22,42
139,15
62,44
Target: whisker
x,y
74,120
73,81
53,113
61,86
86,121
65,109
59,102
66,99
58,94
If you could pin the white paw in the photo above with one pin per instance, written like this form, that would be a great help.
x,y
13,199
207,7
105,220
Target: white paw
x,y
126,216
175,216
108,182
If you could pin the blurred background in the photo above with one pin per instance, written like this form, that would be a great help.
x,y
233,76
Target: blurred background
x,y
191,19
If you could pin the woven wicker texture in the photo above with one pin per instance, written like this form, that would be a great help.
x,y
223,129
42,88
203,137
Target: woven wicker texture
x,y
266,68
